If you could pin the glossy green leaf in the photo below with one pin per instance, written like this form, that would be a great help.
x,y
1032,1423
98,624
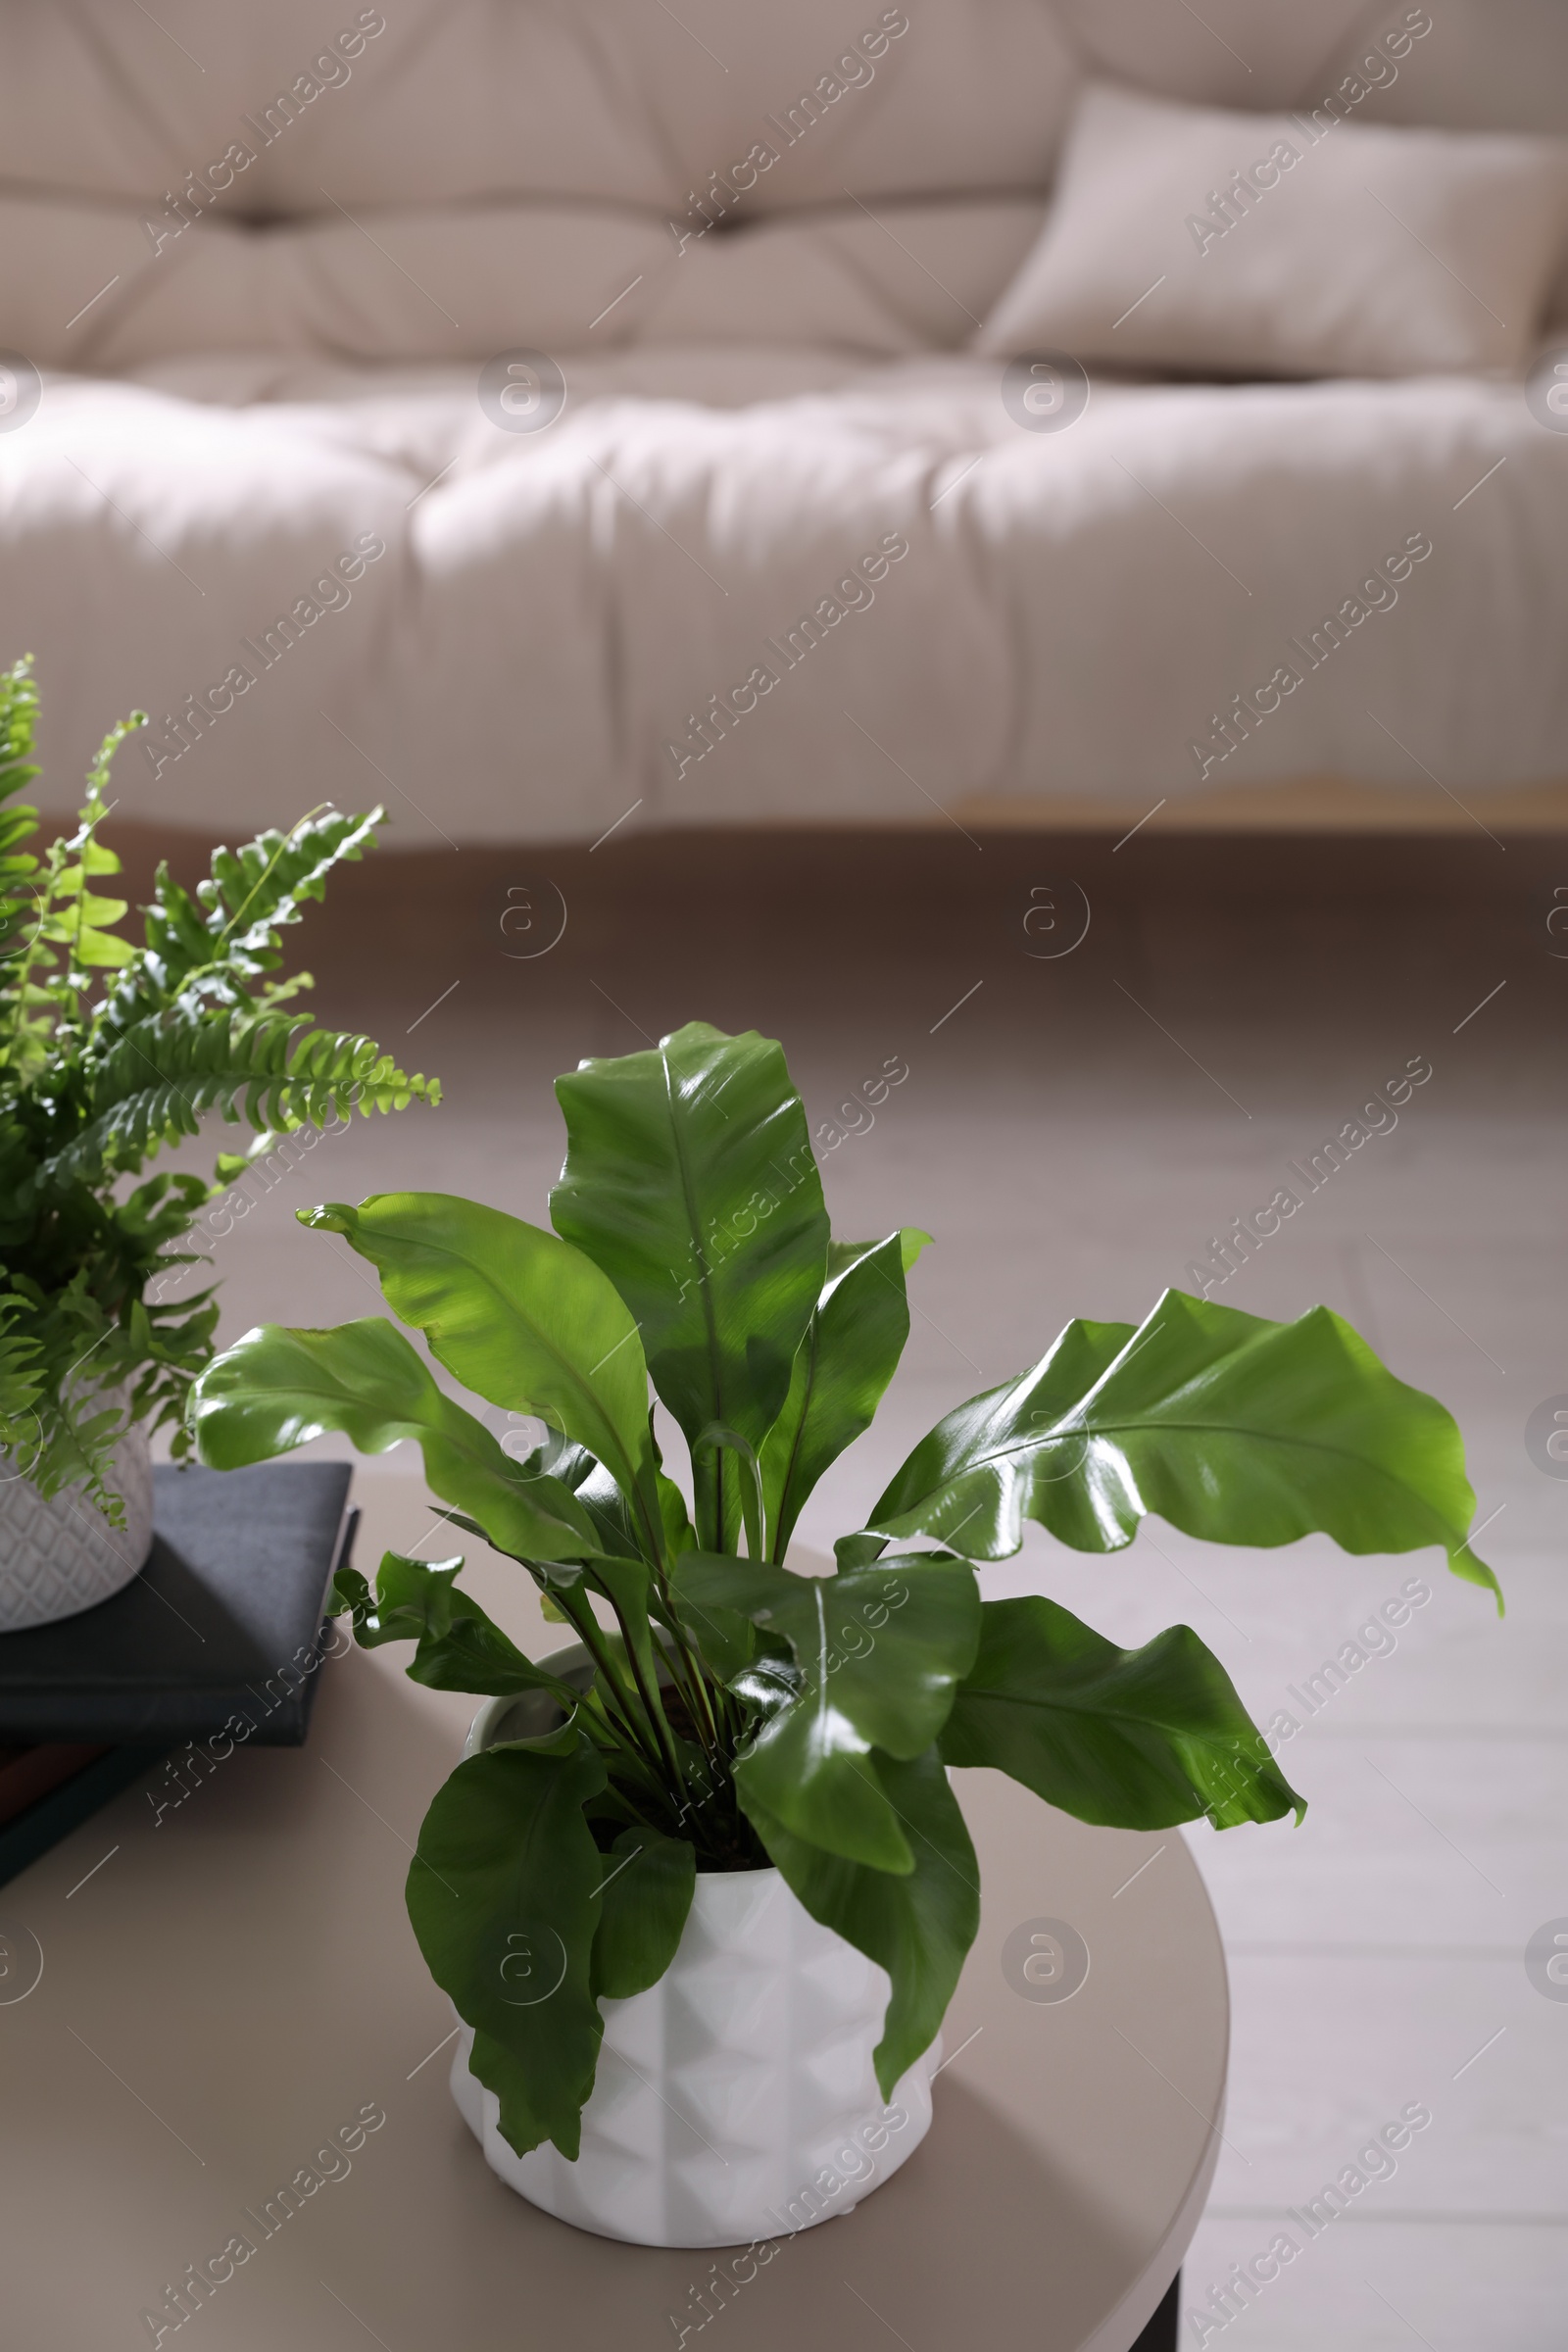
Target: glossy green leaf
x,y
504,1894
642,1911
725,1639
679,1534
689,1178
410,1599
595,1489
753,1510
849,1352
276,1389
459,1647
475,1654
828,1709
1229,1426
520,1316
881,1651
1131,1739
918,1927
728,1640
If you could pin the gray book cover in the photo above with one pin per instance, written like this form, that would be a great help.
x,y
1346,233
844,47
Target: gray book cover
x,y
220,1630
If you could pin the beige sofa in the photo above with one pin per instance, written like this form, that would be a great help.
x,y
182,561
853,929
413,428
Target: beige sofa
x,y
549,414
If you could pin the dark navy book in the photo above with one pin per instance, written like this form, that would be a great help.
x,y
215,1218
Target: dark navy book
x,y
218,1640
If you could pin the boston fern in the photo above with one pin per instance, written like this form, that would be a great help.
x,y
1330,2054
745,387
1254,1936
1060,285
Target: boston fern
x,y
107,1053
736,1713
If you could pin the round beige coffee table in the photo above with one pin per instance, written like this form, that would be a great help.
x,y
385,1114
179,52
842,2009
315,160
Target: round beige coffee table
x,y
230,1984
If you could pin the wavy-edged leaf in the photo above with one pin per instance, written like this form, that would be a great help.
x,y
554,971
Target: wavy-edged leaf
x,y
880,1651
276,1389
503,1894
589,1481
1129,1739
595,1489
1231,1428
918,1927
689,1178
460,1646
849,1352
520,1317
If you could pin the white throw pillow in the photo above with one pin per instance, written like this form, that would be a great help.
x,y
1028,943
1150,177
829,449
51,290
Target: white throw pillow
x,y
1187,238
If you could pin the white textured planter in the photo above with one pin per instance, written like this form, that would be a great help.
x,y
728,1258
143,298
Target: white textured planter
x,y
60,1558
735,2100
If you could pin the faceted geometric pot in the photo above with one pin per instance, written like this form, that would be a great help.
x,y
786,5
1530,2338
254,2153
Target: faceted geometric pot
x,y
62,1556
735,2100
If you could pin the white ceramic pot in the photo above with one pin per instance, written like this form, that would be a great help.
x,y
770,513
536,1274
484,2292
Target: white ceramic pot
x,y
62,1556
735,2100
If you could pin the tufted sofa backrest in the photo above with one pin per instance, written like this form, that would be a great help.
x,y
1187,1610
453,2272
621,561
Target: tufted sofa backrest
x,y
434,177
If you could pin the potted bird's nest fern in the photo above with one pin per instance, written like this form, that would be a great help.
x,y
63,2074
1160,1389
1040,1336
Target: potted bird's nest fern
x,y
706,1864
109,1052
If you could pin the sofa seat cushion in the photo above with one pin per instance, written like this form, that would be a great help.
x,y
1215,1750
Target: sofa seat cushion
x,y
329,582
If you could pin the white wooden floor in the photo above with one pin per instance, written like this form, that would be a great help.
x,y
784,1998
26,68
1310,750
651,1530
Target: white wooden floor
x,y
1071,1134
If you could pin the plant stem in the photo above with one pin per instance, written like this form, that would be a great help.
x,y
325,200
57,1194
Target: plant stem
x,y
655,1710
686,1668
581,1614
705,1686
691,1681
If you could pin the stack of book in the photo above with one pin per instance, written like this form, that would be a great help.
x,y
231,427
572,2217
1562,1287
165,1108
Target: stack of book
x,y
215,1644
